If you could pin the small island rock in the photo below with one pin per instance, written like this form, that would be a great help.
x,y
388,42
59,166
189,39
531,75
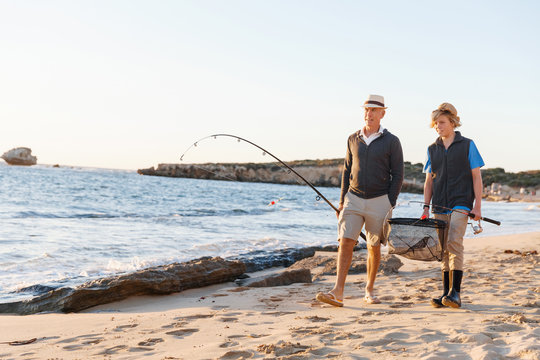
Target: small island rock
x,y
19,156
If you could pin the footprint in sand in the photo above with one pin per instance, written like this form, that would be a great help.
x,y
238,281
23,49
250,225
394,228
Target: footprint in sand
x,y
315,318
194,317
341,336
479,339
113,350
182,332
123,327
283,348
175,325
344,323
228,344
366,321
377,343
396,336
504,328
278,313
229,319
150,342
90,340
429,335
309,330
73,339
401,305
236,355
139,349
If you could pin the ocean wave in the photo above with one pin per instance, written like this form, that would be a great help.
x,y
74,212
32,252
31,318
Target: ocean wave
x,y
43,215
102,215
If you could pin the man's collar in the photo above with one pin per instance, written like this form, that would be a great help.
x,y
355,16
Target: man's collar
x,y
380,131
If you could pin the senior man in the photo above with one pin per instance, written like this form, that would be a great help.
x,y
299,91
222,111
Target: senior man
x,y
371,182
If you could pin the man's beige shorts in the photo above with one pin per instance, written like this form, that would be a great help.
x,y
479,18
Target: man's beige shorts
x,y
358,212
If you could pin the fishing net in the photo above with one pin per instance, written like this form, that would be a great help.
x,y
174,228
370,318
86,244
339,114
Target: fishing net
x,y
417,239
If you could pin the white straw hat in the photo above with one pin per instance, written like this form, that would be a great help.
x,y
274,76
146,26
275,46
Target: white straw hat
x,y
374,101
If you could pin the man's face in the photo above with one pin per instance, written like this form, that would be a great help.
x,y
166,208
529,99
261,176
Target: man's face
x,y
444,126
373,116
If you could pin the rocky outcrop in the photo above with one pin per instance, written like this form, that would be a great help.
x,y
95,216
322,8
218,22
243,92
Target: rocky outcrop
x,y
326,173
19,156
156,280
329,175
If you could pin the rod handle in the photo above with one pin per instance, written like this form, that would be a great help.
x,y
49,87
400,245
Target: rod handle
x,y
496,222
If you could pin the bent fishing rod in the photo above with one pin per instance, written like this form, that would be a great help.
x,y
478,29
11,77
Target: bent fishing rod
x,y
319,195
464,212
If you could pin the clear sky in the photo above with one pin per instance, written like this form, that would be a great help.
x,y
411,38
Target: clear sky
x,y
130,84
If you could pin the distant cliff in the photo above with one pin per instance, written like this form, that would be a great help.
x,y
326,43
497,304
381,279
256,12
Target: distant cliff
x,y
325,173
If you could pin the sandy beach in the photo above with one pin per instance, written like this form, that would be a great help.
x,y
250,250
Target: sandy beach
x,y
499,319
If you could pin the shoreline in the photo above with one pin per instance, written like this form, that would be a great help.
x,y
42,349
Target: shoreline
x,y
254,262
499,317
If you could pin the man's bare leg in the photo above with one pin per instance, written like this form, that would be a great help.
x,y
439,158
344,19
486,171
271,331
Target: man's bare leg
x,y
373,262
344,259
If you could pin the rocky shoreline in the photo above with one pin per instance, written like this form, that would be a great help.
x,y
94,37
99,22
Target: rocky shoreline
x,y
166,279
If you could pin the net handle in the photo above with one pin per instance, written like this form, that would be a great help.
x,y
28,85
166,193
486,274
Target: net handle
x,y
386,224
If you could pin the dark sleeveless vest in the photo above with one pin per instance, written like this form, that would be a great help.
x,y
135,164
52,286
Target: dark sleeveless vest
x,y
451,173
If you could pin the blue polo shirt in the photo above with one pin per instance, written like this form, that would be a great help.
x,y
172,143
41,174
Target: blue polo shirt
x,y
475,161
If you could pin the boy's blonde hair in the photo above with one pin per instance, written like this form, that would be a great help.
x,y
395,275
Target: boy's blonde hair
x,y
448,110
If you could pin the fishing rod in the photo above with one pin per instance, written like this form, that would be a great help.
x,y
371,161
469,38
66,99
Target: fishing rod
x,y
465,212
319,195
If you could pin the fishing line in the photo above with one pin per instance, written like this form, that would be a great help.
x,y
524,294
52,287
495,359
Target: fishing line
x,y
289,169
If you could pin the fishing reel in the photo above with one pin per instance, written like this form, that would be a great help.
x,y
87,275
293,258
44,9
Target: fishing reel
x,y
477,229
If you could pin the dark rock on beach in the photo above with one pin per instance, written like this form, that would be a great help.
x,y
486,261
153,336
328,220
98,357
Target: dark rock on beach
x,y
390,264
152,281
281,279
36,289
260,260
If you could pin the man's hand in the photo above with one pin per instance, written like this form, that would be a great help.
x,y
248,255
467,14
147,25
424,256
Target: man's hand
x,y
425,214
339,210
477,213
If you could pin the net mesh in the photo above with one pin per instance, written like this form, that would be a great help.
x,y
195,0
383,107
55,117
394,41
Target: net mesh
x,y
417,239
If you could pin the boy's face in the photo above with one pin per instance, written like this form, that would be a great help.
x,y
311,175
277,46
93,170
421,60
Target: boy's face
x,y
444,126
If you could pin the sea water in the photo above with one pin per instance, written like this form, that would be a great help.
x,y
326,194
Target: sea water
x,y
64,226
